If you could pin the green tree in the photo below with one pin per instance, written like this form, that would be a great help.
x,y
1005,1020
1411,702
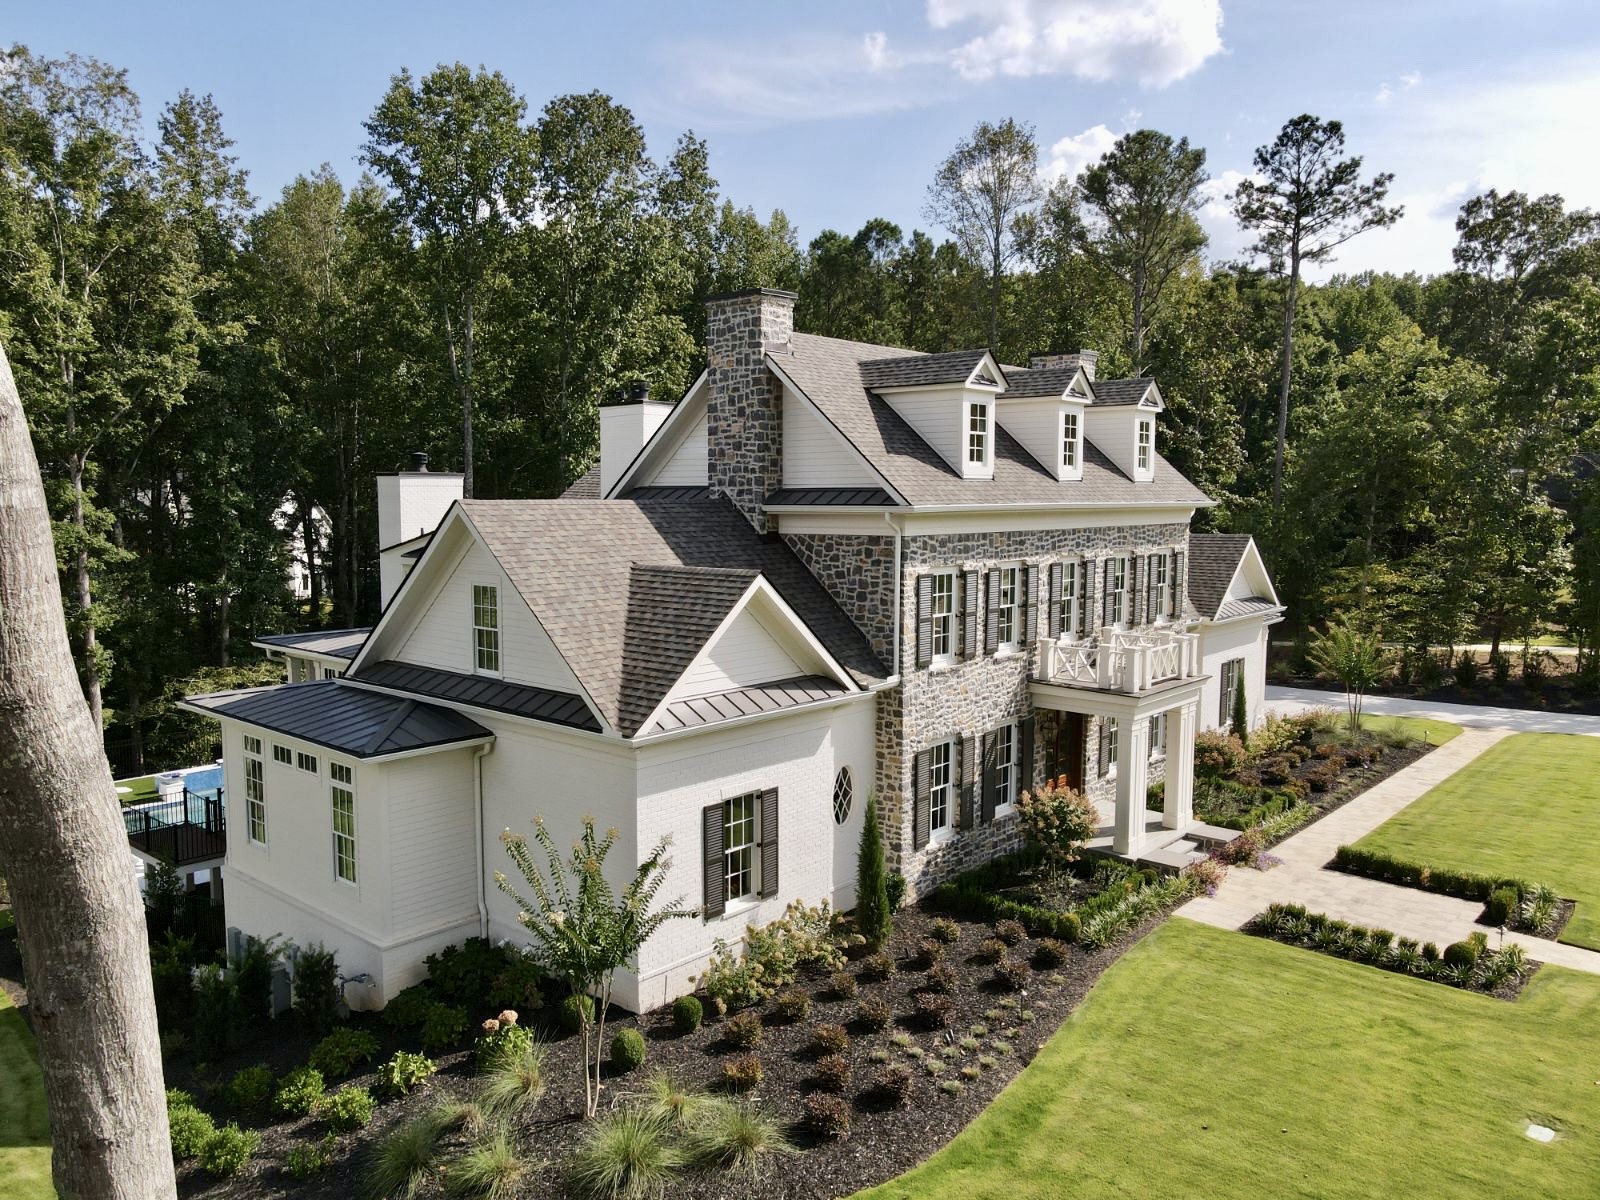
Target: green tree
x,y
1309,201
874,920
1355,657
1239,718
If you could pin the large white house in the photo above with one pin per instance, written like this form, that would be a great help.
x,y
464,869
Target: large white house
x,y
830,570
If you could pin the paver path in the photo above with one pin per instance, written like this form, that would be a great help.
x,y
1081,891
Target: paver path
x,y
1472,716
1409,912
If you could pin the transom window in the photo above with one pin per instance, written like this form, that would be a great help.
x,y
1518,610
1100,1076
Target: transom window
x,y
739,821
940,788
1119,591
1147,437
341,792
1005,766
306,762
843,794
1006,612
978,433
486,628
1069,440
1158,584
1067,602
943,613
282,754
255,791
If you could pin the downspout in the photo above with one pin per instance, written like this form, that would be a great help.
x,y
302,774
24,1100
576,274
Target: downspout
x,y
478,756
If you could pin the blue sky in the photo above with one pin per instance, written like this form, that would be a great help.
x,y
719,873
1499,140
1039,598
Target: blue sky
x,y
838,112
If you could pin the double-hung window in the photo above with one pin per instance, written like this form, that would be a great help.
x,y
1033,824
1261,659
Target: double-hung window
x,y
941,788
1005,767
255,791
1158,735
1147,441
1006,632
1160,564
1231,672
486,629
1117,596
342,797
1067,601
1069,441
1108,761
943,614
740,820
978,433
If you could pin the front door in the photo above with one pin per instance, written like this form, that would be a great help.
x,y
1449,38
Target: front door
x,y
1067,750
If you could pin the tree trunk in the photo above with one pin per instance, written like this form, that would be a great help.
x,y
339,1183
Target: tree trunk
x,y
1285,367
83,592
1138,321
466,407
65,854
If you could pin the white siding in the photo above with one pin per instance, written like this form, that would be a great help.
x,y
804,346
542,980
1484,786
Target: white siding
x,y
1219,643
433,865
940,419
688,465
1111,429
1037,426
746,653
814,454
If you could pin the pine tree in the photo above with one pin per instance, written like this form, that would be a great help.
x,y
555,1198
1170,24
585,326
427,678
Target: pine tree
x,y
1239,723
873,920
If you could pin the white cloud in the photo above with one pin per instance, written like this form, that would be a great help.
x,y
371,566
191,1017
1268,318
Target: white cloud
x,y
1154,42
1384,94
1068,157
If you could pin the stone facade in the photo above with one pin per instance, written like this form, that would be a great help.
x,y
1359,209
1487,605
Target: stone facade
x,y
858,572
744,411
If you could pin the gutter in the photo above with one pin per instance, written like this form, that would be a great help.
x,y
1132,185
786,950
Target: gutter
x,y
483,896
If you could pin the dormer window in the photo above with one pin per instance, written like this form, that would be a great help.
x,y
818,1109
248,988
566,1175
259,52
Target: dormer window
x,y
486,629
977,434
1069,441
1146,444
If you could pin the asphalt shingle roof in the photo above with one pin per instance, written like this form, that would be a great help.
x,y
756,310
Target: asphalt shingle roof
x,y
1213,560
829,371
345,718
1052,381
482,691
336,643
1120,391
914,369
585,486
592,572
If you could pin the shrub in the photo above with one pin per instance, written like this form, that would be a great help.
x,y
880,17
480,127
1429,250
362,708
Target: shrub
x,y
250,1088
687,1013
468,973
302,1162
874,1013
443,1027
490,1170
188,1125
826,1116
670,1100
874,916
1010,931
1217,755
892,1086
930,952
340,1052
625,1155
316,995
627,1050
828,1038
742,1073
1503,904
934,1010
1012,974
743,1030
500,1036
299,1092
215,1003
842,985
519,983
1461,954
253,981
941,978
403,1072
1057,820
877,966
1049,953
945,930
738,1136
515,1079
991,950
772,956
791,1005
894,888
348,1109
400,1162
227,1149
833,1072
409,1009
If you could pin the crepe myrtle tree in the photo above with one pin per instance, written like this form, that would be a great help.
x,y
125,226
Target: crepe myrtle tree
x,y
582,929
1355,657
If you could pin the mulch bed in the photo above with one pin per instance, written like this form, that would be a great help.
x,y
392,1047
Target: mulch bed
x,y
881,1145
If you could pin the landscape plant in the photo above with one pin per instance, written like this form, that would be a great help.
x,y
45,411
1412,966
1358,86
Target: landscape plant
x,y
626,1155
398,1164
316,995
738,1136
514,1079
1058,819
228,1149
1355,657
874,919
583,930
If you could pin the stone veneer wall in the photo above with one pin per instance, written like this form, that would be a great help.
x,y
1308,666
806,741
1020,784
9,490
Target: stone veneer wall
x,y
858,572
744,411
978,694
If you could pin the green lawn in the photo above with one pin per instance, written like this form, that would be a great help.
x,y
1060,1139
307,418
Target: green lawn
x,y
24,1129
141,788
1529,807
1436,733
1211,1063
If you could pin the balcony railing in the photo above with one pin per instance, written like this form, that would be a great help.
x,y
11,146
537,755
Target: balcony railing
x,y
1121,660
190,827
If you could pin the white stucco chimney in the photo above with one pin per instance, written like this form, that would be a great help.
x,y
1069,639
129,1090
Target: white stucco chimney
x,y
411,503
624,429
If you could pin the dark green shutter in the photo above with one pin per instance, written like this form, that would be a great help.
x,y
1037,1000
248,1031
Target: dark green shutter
x,y
769,842
1178,583
991,625
969,766
1083,597
1134,615
1105,746
924,620
919,803
1052,615
1030,606
990,759
1105,594
1025,731
969,616
711,821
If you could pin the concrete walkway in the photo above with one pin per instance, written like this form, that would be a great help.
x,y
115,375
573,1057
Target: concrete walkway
x,y
1473,716
1409,912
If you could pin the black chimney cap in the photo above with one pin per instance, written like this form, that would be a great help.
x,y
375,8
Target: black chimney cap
x,y
419,461
638,391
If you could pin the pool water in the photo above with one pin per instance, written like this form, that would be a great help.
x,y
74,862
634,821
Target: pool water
x,y
203,779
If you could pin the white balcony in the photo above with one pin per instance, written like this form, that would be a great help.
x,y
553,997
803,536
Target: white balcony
x,y
1121,660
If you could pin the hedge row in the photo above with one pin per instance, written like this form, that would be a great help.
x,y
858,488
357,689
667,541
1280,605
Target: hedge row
x,y
972,894
1465,885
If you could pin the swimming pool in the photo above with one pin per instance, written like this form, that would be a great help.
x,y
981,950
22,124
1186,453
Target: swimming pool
x,y
203,779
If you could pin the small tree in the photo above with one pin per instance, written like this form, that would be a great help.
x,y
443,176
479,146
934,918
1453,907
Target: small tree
x,y
582,930
1239,720
1057,819
874,920
1355,657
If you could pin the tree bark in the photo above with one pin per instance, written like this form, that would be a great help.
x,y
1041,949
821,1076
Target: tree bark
x,y
65,854
83,591
1285,368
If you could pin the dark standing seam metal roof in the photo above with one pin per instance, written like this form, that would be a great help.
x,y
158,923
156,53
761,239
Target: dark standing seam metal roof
x,y
482,691
746,702
829,372
1213,560
336,643
1249,606
344,718
1120,391
920,370
576,564
830,497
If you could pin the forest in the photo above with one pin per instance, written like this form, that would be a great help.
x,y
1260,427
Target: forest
x,y
213,379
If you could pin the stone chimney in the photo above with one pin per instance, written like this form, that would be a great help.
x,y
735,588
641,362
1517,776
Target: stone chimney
x,y
744,412
1078,358
410,503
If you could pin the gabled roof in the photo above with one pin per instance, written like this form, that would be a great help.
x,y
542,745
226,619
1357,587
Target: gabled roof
x,y
344,718
630,589
481,691
1051,381
1121,391
329,643
921,370
1214,560
829,372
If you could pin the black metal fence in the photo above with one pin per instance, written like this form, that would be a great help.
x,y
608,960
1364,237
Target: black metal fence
x,y
183,829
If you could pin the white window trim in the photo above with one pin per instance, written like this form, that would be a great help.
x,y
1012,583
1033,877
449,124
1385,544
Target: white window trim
x,y
1067,603
253,803
1119,591
1144,445
1008,648
1013,767
974,407
1113,738
335,784
945,831
1071,445
947,658
1158,737
1161,568
499,671
746,901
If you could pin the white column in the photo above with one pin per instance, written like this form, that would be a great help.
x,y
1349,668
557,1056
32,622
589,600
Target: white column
x,y
1178,810
1133,772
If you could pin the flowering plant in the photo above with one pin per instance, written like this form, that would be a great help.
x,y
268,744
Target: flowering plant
x,y
1058,819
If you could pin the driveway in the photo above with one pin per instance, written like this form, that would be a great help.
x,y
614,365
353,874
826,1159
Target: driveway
x,y
1472,716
